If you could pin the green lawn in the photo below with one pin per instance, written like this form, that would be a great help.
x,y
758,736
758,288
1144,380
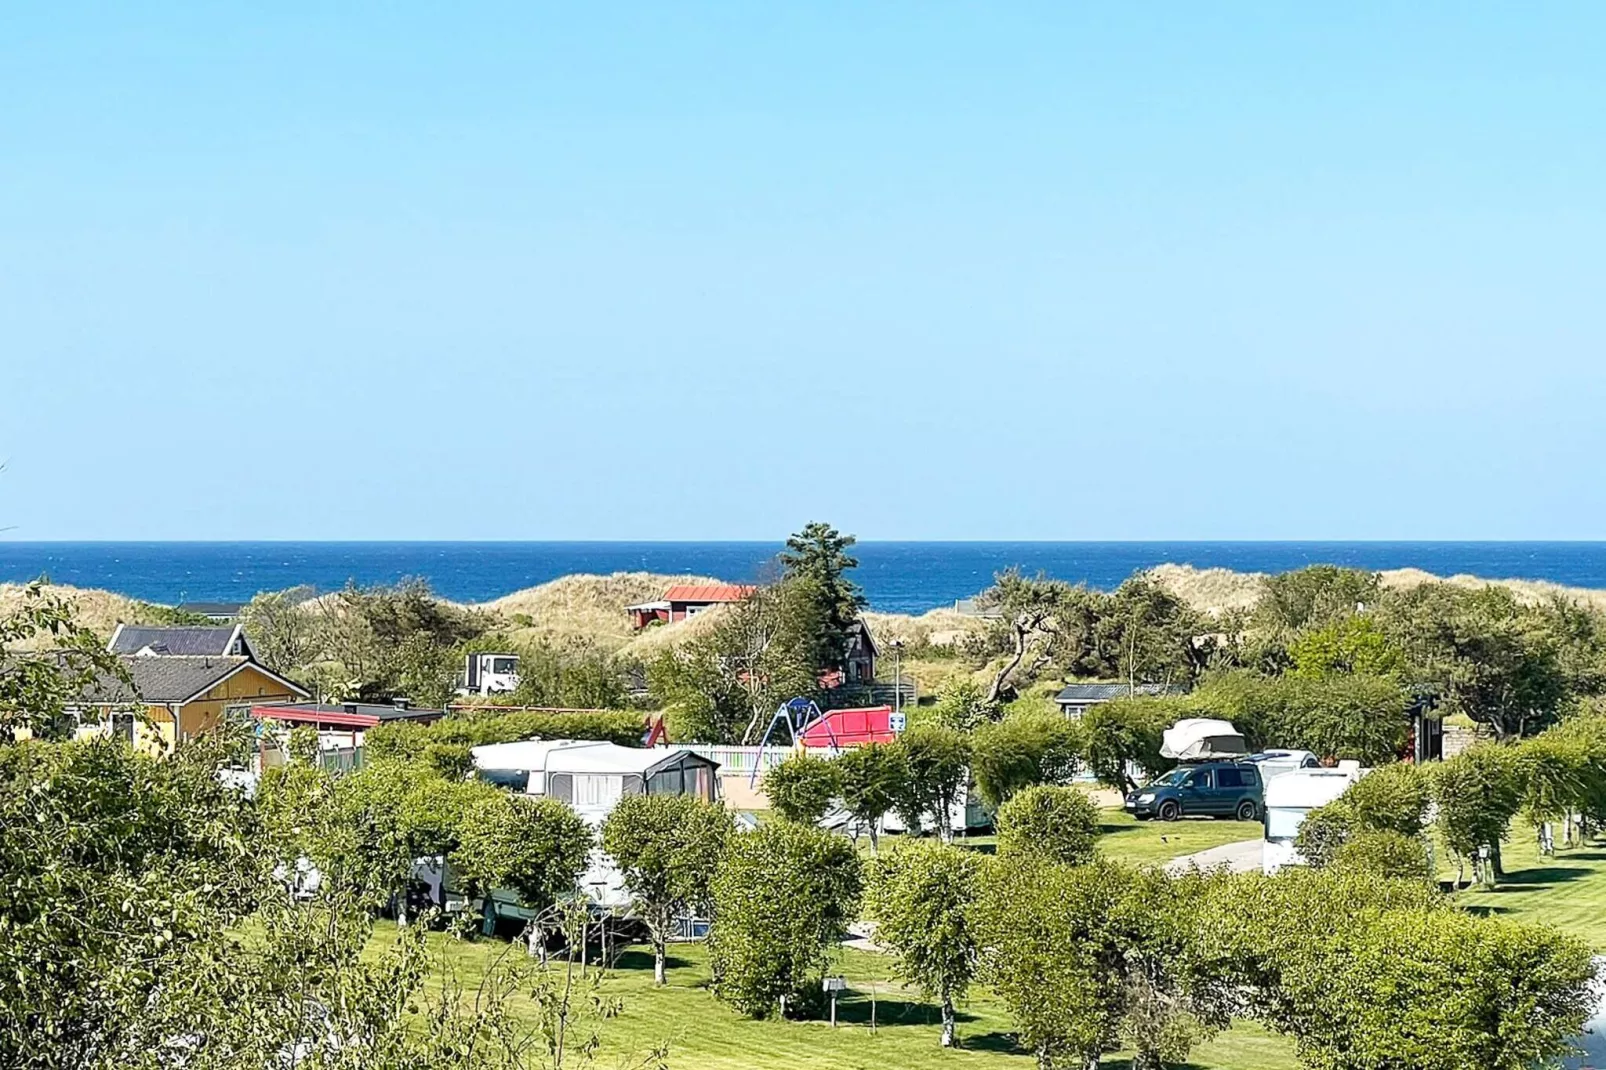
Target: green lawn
x,y
1567,890
704,1033
1126,839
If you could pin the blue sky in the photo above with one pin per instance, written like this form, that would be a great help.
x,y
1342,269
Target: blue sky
x,y
927,270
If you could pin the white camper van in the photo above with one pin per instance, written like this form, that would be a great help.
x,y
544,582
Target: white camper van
x,y
1288,799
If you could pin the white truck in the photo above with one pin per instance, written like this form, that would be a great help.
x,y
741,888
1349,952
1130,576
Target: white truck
x,y
490,674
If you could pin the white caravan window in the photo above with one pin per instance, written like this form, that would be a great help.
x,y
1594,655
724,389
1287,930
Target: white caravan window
x,y
593,790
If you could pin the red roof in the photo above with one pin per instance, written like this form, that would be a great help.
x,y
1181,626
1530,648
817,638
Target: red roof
x,y
850,728
707,592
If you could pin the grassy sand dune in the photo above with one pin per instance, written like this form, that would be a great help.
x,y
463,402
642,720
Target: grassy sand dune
x,y
99,611
584,607
1216,590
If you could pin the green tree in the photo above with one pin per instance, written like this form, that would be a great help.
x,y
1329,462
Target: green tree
x,y
1559,771
1477,793
1054,942
286,635
668,847
393,813
1029,626
1391,798
1315,596
1492,658
872,779
1341,716
1021,751
782,899
936,762
1124,733
963,705
1147,634
1383,852
1391,801
1344,645
819,555
920,898
536,847
575,674
801,787
1443,990
1054,824
47,662
723,686
119,872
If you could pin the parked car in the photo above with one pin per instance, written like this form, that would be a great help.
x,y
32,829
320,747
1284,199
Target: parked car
x,y
1209,789
1274,763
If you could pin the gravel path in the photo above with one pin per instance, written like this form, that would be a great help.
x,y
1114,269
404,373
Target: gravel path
x,y
1240,857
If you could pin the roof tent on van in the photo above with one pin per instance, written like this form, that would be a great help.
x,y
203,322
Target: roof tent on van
x,y
1201,739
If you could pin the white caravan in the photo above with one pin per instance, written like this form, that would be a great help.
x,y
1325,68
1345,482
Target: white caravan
x,y
592,777
1289,798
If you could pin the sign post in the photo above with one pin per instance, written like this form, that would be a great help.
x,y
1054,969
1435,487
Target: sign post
x,y
834,985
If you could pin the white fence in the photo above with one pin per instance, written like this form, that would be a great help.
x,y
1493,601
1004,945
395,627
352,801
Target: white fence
x,y
743,760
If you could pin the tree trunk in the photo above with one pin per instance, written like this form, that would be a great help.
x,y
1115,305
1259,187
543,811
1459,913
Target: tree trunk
x,y
875,839
1145,1060
1496,865
659,955
1547,839
1011,665
947,1022
1090,1061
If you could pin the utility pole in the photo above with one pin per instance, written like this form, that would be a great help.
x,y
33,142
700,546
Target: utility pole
x,y
897,676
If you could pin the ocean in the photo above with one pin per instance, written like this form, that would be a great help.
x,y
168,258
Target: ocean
x,y
899,577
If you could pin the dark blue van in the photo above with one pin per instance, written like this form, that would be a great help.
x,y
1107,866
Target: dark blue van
x,y
1208,789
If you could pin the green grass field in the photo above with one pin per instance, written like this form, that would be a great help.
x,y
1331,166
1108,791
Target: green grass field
x,y
1126,839
704,1033
1568,891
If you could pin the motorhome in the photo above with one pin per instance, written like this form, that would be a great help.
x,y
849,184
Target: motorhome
x,y
1292,796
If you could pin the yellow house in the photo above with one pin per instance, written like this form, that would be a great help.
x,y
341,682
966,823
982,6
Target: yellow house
x,y
184,695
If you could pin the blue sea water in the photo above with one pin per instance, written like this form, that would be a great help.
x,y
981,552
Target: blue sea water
x,y
905,577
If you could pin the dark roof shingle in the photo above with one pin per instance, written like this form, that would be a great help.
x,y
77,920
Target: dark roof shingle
x,y
183,641
171,678
1074,694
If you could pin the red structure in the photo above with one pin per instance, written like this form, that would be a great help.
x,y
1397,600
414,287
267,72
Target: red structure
x,y
850,728
343,717
686,600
